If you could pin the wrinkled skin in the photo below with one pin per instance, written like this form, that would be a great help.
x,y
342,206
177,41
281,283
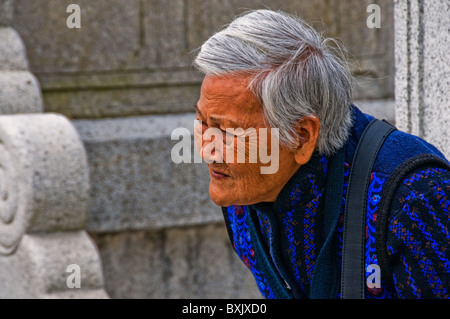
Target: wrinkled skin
x,y
226,102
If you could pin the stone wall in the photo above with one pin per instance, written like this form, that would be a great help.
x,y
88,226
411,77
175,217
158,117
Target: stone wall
x,y
125,80
423,70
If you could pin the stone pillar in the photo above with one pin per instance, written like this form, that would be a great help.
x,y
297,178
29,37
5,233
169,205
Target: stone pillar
x,y
44,193
44,189
422,55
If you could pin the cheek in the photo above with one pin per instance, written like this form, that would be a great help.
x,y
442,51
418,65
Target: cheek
x,y
257,187
247,184
246,175
248,181
241,148
242,189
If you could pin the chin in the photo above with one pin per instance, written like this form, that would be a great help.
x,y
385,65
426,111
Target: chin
x,y
226,199
221,197
221,200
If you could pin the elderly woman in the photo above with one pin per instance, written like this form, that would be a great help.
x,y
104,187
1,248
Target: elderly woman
x,y
348,212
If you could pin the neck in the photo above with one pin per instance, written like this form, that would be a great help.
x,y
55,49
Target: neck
x,y
301,187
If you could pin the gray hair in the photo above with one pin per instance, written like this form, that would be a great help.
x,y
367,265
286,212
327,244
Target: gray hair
x,y
295,74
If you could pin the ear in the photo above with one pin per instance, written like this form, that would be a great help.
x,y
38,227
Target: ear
x,y
308,132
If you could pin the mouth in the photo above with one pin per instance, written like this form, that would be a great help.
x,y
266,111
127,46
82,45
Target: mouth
x,y
218,175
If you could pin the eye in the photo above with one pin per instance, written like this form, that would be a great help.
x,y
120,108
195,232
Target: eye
x,y
204,125
228,138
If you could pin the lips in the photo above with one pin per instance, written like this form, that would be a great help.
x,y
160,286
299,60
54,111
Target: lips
x,y
218,174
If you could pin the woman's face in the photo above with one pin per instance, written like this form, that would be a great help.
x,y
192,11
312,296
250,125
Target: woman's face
x,y
227,103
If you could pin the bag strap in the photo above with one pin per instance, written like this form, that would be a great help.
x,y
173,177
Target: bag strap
x,y
353,270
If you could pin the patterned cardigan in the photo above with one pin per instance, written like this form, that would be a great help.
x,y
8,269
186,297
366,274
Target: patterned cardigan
x,y
291,235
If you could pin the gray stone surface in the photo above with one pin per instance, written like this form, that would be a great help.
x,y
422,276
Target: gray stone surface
x,y
48,161
122,101
44,192
38,269
381,109
423,71
19,93
164,40
107,40
188,262
6,12
44,188
13,55
134,183
370,50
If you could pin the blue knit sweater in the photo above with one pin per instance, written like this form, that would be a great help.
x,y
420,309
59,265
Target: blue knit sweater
x,y
286,240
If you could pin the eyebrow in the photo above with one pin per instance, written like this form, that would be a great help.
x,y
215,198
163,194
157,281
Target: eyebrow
x,y
218,118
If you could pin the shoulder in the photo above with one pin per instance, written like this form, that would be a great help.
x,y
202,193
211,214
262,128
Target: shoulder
x,y
400,147
423,185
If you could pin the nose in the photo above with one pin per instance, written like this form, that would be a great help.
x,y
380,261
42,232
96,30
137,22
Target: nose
x,y
209,143
212,150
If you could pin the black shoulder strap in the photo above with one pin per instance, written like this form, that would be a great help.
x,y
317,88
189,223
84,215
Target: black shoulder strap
x,y
353,271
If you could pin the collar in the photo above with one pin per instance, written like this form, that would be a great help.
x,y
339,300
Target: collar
x,y
301,188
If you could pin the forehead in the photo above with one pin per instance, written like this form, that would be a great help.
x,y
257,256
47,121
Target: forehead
x,y
231,93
